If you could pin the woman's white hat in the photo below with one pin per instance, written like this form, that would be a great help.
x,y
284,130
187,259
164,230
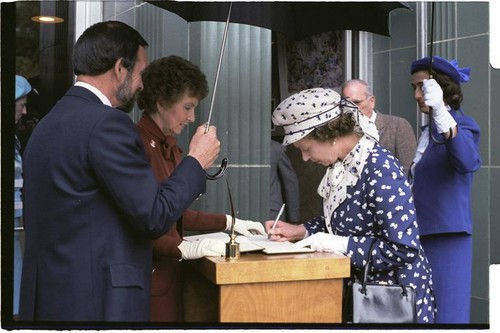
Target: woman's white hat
x,y
304,111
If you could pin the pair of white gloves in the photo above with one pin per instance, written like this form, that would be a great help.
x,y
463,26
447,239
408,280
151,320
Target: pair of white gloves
x,y
216,247
433,97
321,241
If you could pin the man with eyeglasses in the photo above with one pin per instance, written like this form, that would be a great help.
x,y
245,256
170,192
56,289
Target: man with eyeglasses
x,y
396,133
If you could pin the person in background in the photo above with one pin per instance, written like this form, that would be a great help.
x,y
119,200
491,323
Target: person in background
x,y
26,126
395,132
92,204
442,173
366,195
284,185
23,88
30,120
173,88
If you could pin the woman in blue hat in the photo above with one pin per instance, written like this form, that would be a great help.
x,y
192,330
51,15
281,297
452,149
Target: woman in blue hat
x,y
22,90
442,174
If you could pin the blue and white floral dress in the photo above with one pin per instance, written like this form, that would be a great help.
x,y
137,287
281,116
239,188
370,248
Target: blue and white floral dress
x,y
368,198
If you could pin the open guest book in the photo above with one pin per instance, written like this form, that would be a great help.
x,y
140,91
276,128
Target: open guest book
x,y
253,243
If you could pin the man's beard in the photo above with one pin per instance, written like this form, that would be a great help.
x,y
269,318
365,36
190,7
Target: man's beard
x,y
124,95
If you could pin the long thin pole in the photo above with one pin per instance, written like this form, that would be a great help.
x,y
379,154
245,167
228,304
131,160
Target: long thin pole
x,y
223,166
224,38
431,56
431,60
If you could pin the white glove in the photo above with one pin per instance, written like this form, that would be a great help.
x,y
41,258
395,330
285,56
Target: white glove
x,y
433,97
203,248
323,242
244,227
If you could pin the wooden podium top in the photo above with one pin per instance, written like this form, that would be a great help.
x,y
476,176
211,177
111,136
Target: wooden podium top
x,y
256,267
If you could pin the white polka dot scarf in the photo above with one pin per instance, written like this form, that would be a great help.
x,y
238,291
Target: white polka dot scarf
x,y
333,186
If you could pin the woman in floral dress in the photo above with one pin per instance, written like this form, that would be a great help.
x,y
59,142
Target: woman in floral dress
x,y
366,196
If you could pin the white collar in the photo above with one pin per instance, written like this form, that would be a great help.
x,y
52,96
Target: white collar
x,y
96,91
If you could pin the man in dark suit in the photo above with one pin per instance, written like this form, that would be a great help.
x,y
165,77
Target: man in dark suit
x,y
395,132
284,185
92,203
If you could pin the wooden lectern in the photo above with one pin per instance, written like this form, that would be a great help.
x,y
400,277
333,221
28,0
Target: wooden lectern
x,y
260,288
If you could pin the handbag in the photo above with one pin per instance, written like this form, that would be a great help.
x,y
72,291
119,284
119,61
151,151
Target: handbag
x,y
382,303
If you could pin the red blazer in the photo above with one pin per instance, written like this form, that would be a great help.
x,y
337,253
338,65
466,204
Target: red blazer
x,y
166,290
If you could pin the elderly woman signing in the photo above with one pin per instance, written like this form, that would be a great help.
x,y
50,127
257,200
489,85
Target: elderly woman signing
x,y
366,196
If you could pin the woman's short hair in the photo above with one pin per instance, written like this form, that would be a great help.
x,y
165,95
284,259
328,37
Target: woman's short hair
x,y
102,44
166,80
452,92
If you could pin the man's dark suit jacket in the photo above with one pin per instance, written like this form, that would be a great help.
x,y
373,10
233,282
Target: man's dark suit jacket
x,y
92,206
284,185
397,135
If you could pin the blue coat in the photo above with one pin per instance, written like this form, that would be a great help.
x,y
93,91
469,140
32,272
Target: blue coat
x,y
442,180
442,191
92,206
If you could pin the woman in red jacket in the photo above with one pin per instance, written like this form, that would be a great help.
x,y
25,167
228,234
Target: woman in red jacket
x,y
173,87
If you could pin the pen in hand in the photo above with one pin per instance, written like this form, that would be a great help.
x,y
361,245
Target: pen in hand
x,y
276,221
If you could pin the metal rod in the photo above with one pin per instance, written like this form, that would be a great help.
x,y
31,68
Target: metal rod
x,y
432,39
223,166
224,38
431,60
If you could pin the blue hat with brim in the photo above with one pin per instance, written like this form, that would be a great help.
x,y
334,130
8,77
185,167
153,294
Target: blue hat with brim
x,y
23,87
449,68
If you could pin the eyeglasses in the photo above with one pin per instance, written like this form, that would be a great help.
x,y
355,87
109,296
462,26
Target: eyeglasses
x,y
358,102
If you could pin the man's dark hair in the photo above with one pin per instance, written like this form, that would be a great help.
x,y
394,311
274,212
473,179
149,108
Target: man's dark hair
x,y
102,44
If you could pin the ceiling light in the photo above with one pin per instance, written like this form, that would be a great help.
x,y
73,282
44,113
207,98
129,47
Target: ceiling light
x,y
47,19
